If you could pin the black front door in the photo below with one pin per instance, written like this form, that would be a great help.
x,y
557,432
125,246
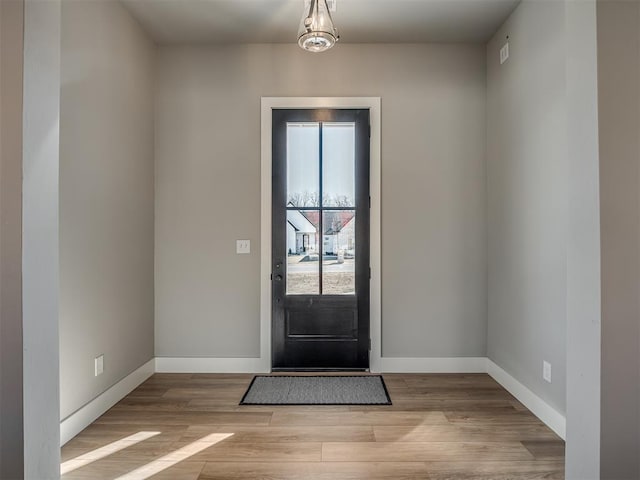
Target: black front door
x,y
320,257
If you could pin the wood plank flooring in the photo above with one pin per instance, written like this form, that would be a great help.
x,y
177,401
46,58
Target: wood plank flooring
x,y
439,427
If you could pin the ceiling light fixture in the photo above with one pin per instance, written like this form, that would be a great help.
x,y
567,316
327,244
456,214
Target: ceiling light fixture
x,y
317,32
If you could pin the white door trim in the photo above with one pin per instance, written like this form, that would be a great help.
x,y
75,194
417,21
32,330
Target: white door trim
x,y
267,104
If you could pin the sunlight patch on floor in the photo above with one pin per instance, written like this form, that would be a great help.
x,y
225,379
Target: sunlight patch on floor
x,y
102,452
175,457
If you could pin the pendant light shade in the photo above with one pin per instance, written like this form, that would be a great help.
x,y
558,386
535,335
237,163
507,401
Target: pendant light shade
x,y
316,32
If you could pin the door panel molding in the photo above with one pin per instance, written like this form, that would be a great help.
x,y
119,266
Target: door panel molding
x,y
267,105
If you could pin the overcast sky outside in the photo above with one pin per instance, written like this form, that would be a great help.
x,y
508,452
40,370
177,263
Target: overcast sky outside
x,y
338,159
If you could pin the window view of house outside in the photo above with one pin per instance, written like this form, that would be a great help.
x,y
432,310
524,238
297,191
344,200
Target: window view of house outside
x,y
312,206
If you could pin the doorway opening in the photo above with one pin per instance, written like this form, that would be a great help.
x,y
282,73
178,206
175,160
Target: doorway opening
x,y
268,105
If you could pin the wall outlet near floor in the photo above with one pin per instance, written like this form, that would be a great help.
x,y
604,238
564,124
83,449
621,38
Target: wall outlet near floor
x,y
504,53
99,365
546,371
243,246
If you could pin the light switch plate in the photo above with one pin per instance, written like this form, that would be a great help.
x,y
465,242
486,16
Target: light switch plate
x,y
243,246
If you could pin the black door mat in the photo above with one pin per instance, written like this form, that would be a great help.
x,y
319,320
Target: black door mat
x,y
317,390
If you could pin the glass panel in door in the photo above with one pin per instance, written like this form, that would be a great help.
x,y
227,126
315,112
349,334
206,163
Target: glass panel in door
x,y
303,259
303,159
339,250
338,165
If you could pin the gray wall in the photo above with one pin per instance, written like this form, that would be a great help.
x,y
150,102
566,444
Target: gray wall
x,y
619,121
11,413
527,198
40,228
433,190
106,198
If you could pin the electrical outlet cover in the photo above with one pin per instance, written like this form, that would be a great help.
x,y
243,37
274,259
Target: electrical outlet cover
x,y
546,371
99,365
504,53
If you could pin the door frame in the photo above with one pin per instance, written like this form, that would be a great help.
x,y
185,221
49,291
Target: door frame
x,y
267,105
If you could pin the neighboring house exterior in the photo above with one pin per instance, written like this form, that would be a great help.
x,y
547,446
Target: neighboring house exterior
x,y
338,234
301,234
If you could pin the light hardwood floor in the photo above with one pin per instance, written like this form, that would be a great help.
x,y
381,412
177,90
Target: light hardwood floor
x,y
439,427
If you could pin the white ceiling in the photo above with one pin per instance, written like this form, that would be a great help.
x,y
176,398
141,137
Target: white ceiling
x,y
358,21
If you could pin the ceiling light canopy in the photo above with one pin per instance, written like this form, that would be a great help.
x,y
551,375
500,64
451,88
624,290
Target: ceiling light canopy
x,y
317,32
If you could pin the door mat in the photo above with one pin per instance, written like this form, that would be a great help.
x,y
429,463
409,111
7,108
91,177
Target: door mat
x,y
317,390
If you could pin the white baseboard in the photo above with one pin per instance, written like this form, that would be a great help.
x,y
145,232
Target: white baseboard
x,y
433,365
81,419
541,409
258,365
211,365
